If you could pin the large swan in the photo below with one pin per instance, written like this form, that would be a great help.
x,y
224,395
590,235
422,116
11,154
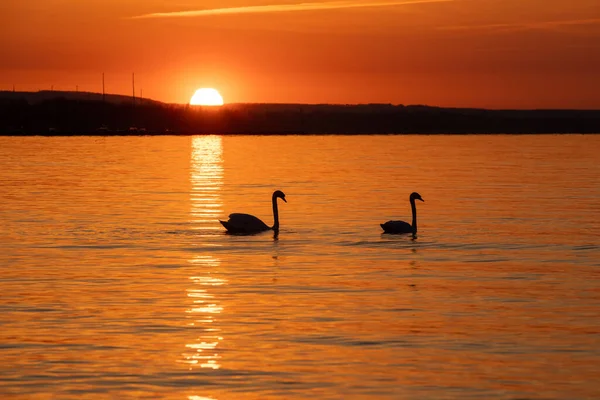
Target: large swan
x,y
401,226
246,223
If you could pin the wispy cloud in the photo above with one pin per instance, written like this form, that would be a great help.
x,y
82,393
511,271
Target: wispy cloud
x,y
524,25
328,5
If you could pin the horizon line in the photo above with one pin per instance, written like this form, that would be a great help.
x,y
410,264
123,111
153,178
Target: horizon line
x,y
147,99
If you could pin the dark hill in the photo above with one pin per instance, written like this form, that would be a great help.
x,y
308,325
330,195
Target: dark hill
x,y
46,95
82,113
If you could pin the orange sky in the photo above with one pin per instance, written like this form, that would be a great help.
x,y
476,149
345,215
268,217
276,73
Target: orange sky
x,y
464,53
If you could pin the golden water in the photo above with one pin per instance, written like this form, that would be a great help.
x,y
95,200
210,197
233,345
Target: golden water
x,y
117,280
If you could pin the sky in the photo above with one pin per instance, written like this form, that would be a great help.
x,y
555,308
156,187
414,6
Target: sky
x,y
450,53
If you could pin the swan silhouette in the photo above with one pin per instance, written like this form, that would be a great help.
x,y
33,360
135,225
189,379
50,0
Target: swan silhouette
x,y
246,223
401,226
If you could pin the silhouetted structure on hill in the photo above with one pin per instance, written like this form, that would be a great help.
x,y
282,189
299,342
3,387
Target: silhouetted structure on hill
x,y
80,113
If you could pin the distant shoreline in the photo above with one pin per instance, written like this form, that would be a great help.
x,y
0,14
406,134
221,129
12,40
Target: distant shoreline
x,y
52,113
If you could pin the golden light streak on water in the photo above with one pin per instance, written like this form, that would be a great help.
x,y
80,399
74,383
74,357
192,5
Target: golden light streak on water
x,y
206,178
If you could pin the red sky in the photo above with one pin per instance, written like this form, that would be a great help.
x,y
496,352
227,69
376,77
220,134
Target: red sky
x,y
463,53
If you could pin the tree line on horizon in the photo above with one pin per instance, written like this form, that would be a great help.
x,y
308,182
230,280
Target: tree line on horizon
x,y
65,116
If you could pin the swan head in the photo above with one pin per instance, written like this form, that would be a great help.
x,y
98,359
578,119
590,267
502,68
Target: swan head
x,y
280,194
415,196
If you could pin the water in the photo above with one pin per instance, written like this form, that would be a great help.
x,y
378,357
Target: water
x,y
117,280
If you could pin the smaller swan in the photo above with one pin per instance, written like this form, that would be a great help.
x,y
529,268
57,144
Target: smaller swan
x,y
401,226
246,223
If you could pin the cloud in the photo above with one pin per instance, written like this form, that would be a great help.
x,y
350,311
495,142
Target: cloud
x,y
524,25
328,5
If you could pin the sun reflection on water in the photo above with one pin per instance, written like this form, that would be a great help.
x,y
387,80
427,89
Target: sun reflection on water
x,y
204,353
206,180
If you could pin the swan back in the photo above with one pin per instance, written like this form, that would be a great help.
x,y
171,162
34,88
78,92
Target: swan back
x,y
244,223
397,227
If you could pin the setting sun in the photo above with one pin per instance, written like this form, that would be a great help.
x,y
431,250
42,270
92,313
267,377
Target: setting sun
x,y
206,97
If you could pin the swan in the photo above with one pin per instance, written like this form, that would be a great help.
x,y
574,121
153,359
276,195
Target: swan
x,y
246,223
401,226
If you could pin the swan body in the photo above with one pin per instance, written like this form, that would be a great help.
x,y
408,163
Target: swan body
x,y
245,223
401,226
397,227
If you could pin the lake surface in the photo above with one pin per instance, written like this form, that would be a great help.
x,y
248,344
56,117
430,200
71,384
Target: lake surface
x,y
117,280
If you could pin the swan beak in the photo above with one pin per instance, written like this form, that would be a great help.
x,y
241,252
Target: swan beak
x,y
283,198
422,200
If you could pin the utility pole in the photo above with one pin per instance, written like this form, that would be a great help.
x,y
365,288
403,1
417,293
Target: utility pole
x,y
103,98
133,85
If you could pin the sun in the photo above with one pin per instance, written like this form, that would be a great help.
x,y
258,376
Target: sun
x,y
206,97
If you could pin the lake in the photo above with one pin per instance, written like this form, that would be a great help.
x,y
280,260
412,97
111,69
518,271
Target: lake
x,y
118,281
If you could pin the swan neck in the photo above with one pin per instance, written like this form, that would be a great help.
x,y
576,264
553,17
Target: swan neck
x,y
414,215
275,214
